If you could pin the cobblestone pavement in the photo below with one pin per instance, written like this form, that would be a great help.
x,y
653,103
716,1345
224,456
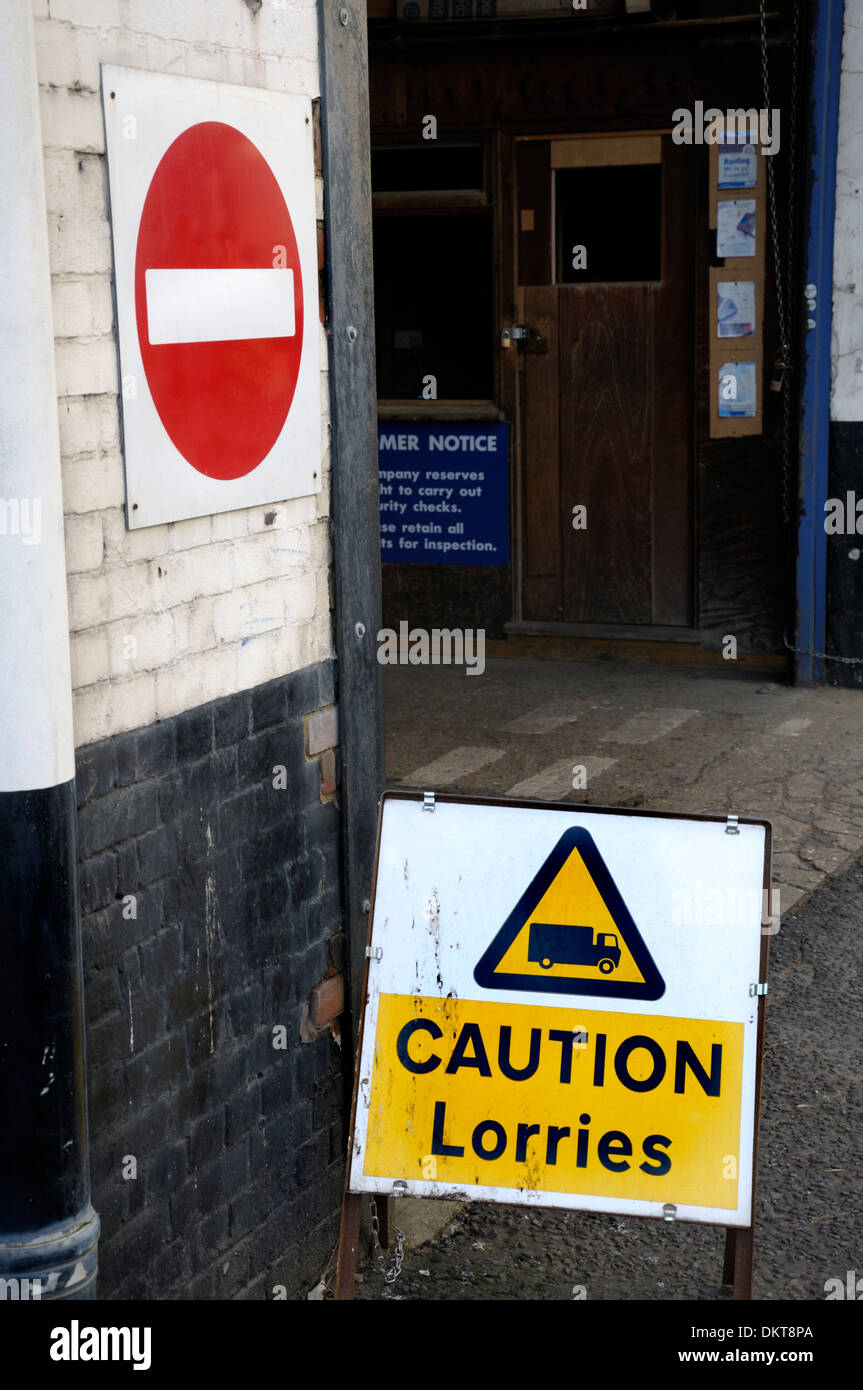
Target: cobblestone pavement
x,y
697,742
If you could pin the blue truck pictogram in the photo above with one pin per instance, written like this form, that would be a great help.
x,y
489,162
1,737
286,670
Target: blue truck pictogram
x,y
552,944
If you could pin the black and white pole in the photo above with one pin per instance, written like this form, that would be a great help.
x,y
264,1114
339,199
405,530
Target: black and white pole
x,y
48,1229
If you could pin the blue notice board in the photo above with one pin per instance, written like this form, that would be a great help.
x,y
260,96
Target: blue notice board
x,y
444,494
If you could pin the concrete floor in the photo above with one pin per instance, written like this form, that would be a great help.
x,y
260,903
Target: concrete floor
x,y
689,740
659,738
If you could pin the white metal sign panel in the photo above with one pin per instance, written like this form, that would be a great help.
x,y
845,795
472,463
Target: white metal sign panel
x,y
561,1010
215,258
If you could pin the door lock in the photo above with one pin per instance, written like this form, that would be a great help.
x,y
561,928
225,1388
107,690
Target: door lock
x,y
512,333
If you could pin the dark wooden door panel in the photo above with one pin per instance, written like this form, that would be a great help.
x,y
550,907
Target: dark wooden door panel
x,y
606,424
605,453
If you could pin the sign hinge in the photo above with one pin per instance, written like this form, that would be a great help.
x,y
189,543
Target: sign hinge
x,y
374,953
758,989
731,825
428,801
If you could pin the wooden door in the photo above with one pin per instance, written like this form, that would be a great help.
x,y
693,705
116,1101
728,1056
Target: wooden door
x,y
606,380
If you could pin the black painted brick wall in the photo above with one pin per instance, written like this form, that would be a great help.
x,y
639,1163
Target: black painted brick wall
x,y
236,886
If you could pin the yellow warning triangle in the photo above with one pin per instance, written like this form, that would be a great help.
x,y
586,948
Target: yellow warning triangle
x,y
571,932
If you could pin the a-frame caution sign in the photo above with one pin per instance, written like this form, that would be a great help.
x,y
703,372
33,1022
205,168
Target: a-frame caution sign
x,y
571,933
584,1062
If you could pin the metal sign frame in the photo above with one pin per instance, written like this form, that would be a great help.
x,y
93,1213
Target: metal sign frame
x,y
738,1264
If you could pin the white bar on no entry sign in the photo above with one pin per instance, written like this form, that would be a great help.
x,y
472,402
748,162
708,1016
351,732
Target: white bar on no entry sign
x,y
211,306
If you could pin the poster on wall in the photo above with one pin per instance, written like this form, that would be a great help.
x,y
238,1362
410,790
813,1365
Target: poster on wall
x,y
444,494
735,228
735,308
737,390
737,166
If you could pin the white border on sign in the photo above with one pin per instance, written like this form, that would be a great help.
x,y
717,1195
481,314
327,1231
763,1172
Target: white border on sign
x,y
161,486
475,859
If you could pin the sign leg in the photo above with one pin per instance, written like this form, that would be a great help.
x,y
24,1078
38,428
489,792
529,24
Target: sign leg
x,y
737,1268
349,1246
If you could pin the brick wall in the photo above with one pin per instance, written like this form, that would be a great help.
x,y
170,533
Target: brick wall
x,y
210,898
207,761
163,619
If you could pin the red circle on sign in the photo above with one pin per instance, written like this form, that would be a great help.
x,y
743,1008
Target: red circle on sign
x,y
214,203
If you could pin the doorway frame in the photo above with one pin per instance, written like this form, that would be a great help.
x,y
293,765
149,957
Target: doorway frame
x,y
508,221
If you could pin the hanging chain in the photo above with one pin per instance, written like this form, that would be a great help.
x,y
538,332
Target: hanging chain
x,y
784,359
783,264
390,1275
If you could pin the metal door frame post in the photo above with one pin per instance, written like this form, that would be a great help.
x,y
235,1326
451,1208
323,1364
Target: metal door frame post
x,y
353,454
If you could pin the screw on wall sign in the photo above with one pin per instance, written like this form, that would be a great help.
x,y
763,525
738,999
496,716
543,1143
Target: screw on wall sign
x,y
213,223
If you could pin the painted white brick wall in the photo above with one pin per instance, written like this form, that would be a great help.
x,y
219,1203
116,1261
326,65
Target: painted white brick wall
x,y
847,337
166,618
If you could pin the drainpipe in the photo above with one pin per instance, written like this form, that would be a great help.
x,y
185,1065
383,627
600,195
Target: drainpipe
x,y
48,1229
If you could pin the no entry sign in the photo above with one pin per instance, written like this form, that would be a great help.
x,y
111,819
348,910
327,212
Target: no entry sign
x,y
213,220
218,300
553,1018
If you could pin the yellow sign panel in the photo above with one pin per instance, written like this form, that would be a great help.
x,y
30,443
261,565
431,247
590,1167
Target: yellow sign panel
x,y
567,1100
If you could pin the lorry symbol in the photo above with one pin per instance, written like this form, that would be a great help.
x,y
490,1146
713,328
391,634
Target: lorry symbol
x,y
551,944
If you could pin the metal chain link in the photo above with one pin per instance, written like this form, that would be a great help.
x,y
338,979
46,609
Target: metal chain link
x,y
783,272
784,360
824,656
390,1275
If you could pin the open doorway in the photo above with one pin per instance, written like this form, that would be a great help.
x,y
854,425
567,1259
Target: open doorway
x,y
498,151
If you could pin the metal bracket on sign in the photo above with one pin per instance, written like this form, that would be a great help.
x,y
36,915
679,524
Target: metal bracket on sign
x,y
400,1188
669,1211
731,825
374,953
757,989
428,801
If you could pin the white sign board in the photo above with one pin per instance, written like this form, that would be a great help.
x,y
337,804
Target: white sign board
x,y
562,1008
215,260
